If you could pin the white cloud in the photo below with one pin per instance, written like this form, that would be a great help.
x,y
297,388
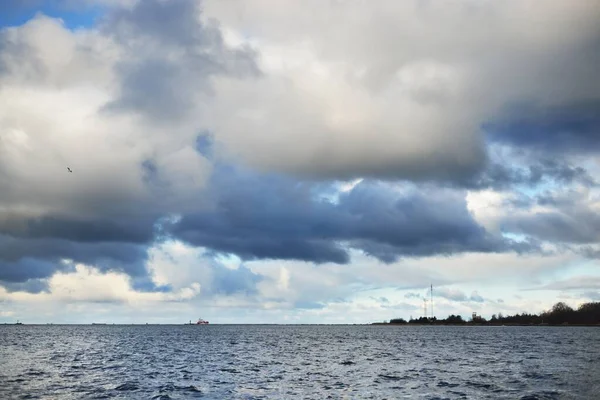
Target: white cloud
x,y
7,313
88,285
175,264
55,86
393,88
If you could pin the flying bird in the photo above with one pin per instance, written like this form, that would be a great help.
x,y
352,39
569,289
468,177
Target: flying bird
x,y
69,169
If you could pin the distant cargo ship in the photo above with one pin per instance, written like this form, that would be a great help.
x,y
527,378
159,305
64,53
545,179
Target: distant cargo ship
x,y
199,322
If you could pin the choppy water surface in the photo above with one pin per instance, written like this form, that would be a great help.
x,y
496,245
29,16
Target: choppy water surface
x,y
310,362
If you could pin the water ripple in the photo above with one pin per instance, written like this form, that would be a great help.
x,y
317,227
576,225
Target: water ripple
x,y
309,362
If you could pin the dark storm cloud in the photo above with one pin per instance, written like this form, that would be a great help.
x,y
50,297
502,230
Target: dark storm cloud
x,y
258,216
30,286
80,230
416,223
24,259
32,248
27,268
156,83
559,129
13,249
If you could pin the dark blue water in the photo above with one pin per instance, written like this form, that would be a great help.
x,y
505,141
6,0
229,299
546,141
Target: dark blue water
x,y
308,362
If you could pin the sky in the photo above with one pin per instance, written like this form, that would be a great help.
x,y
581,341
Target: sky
x,y
298,161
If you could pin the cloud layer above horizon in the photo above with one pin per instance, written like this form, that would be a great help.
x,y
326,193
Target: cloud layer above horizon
x,y
302,159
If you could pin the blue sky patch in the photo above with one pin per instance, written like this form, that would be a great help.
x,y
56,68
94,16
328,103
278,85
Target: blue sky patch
x,y
75,16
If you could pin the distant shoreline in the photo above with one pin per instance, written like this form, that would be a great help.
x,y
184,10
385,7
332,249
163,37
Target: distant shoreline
x,y
561,314
476,324
466,324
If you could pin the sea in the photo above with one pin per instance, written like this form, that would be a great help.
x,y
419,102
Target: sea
x,y
298,362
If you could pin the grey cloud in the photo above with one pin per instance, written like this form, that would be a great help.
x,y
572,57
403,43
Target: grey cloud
x,y
157,83
258,216
575,283
502,175
557,227
571,220
152,86
476,297
511,166
230,281
451,294
429,114
457,295
144,283
592,294
169,22
420,222
27,268
31,285
557,129
380,299
67,227
16,53
309,305
25,259
205,144
14,249
562,172
406,307
590,251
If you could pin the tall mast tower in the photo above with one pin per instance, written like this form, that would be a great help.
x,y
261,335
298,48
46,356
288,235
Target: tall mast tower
x,y
431,293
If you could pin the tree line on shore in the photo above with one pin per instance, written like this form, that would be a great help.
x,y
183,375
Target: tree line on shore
x,y
559,314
